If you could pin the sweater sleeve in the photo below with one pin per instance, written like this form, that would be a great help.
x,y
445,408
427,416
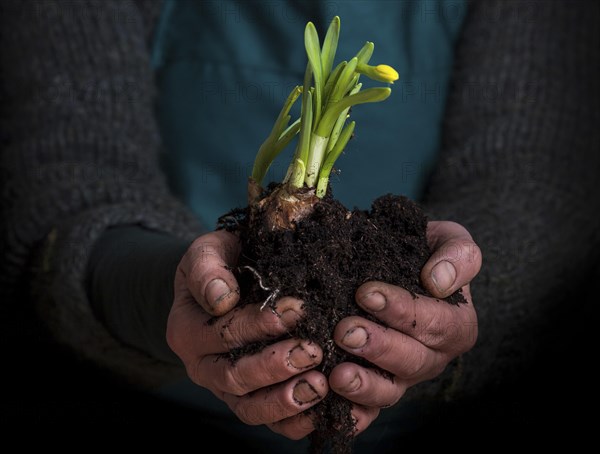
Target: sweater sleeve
x,y
80,153
518,168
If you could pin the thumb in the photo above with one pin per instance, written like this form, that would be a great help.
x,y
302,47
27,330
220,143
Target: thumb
x,y
206,267
455,261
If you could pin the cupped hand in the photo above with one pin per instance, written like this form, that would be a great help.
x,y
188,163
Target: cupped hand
x,y
418,335
273,386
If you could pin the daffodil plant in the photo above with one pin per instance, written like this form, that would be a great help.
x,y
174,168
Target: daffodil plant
x,y
327,94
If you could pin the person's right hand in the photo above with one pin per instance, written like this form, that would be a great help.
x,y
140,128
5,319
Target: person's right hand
x,y
273,386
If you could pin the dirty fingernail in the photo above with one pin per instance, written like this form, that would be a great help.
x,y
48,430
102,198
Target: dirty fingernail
x,y
301,358
289,311
216,290
374,301
304,393
290,317
443,275
355,338
353,385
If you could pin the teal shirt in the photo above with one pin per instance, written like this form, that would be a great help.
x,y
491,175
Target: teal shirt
x,y
224,69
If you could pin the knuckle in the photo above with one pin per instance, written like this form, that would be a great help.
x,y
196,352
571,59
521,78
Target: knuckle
x,y
275,369
172,338
294,435
232,333
195,372
241,411
402,310
254,413
467,338
364,417
414,363
267,324
400,391
438,368
382,348
471,337
475,254
450,251
391,401
432,334
176,338
233,381
395,396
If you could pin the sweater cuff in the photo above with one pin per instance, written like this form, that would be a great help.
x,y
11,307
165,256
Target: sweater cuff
x,y
130,282
59,289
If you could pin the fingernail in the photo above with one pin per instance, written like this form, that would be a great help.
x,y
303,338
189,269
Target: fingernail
x,y
289,318
353,385
301,358
374,301
290,311
443,275
356,337
216,291
304,393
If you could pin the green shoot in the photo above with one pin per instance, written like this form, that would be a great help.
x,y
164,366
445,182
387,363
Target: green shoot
x,y
327,96
281,135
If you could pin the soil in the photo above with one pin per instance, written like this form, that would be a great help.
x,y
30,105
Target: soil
x,y
323,260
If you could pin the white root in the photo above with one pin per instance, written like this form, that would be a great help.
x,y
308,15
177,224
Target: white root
x,y
258,277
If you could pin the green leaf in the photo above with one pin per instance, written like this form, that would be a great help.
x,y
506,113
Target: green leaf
x,y
339,124
334,110
286,137
290,132
332,80
330,47
340,88
352,84
313,51
332,156
364,55
268,151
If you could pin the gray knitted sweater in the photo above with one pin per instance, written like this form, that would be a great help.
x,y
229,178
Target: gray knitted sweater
x,y
518,168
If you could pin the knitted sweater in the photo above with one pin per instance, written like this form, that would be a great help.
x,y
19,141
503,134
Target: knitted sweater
x,y
80,153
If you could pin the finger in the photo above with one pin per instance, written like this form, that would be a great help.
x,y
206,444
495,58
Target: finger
x,y
455,261
206,266
192,333
295,427
389,349
272,404
435,323
363,417
365,386
274,364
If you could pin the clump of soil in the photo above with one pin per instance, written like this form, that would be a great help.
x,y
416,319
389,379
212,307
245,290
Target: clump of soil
x,y
323,260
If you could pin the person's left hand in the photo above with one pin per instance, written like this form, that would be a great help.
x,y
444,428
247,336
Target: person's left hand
x,y
421,335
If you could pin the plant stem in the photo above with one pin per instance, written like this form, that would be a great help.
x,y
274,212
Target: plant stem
x,y
318,146
299,170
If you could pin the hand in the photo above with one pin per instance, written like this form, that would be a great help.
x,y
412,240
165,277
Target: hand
x,y
423,334
271,387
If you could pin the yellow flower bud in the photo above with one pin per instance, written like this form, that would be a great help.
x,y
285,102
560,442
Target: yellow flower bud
x,y
380,73
387,72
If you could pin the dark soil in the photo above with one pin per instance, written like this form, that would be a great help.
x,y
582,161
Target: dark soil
x,y
323,260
